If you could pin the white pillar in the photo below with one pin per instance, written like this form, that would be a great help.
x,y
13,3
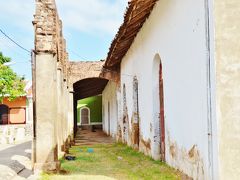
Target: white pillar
x,y
46,113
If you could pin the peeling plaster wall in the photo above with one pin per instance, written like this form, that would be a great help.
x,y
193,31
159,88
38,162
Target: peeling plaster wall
x,y
176,31
109,96
227,56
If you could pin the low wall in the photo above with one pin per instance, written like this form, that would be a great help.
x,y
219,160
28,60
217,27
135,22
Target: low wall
x,y
10,134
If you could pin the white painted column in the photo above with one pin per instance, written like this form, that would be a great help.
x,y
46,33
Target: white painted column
x,y
59,114
46,112
70,113
227,59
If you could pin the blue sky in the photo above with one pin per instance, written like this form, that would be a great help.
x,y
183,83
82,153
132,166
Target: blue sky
x,y
89,26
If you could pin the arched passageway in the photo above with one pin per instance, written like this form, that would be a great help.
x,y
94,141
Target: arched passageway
x,y
88,90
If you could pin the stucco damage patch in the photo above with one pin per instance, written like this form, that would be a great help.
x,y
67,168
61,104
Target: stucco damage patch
x,y
125,119
145,145
119,133
125,128
186,160
135,131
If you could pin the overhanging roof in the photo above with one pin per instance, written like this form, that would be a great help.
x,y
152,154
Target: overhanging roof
x,y
136,14
89,87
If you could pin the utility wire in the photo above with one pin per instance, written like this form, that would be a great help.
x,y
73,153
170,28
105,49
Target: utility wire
x,y
20,54
77,54
14,41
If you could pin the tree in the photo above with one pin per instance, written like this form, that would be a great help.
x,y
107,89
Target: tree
x,y
11,85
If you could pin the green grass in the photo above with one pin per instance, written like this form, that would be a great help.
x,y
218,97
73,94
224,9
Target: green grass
x,y
105,162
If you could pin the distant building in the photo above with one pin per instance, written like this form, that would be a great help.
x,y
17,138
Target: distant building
x,y
16,114
89,111
13,112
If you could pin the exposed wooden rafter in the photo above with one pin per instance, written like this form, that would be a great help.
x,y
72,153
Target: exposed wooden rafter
x,y
136,14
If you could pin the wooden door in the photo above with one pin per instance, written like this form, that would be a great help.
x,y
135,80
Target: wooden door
x,y
4,114
84,116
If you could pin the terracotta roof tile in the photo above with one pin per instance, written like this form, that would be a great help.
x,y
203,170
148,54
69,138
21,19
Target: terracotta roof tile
x,y
136,14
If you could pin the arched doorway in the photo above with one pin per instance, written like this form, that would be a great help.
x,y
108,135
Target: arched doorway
x,y
125,117
158,109
87,88
162,121
85,116
135,125
4,111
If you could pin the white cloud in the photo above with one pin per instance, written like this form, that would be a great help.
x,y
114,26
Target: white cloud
x,y
18,13
99,18
92,16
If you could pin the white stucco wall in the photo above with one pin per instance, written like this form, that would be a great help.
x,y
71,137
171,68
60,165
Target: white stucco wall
x,y
109,98
227,57
176,31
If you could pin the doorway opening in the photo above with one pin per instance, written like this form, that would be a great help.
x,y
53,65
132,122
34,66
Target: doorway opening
x,y
135,125
4,113
85,116
158,109
88,103
162,121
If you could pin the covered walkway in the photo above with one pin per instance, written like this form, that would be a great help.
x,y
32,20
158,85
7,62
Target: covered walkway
x,y
89,137
86,88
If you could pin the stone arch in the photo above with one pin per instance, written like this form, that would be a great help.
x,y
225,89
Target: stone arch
x,y
88,87
85,88
84,70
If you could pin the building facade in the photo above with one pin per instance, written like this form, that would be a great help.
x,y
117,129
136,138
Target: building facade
x,y
16,117
170,85
168,103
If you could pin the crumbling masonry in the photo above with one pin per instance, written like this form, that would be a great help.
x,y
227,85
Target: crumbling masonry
x,y
53,100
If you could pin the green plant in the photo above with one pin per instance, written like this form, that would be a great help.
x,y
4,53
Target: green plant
x,y
11,85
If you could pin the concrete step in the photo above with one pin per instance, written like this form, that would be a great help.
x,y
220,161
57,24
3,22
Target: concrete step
x,y
89,144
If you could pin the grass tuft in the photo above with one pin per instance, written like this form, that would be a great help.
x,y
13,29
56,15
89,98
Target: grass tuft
x,y
116,161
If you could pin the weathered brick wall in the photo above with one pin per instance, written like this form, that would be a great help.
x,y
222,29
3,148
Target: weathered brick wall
x,y
84,69
48,33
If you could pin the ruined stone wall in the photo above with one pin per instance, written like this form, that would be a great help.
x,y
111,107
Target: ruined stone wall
x,y
48,32
51,83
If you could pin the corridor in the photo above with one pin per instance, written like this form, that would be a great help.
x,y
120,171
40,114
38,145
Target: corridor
x,y
92,137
